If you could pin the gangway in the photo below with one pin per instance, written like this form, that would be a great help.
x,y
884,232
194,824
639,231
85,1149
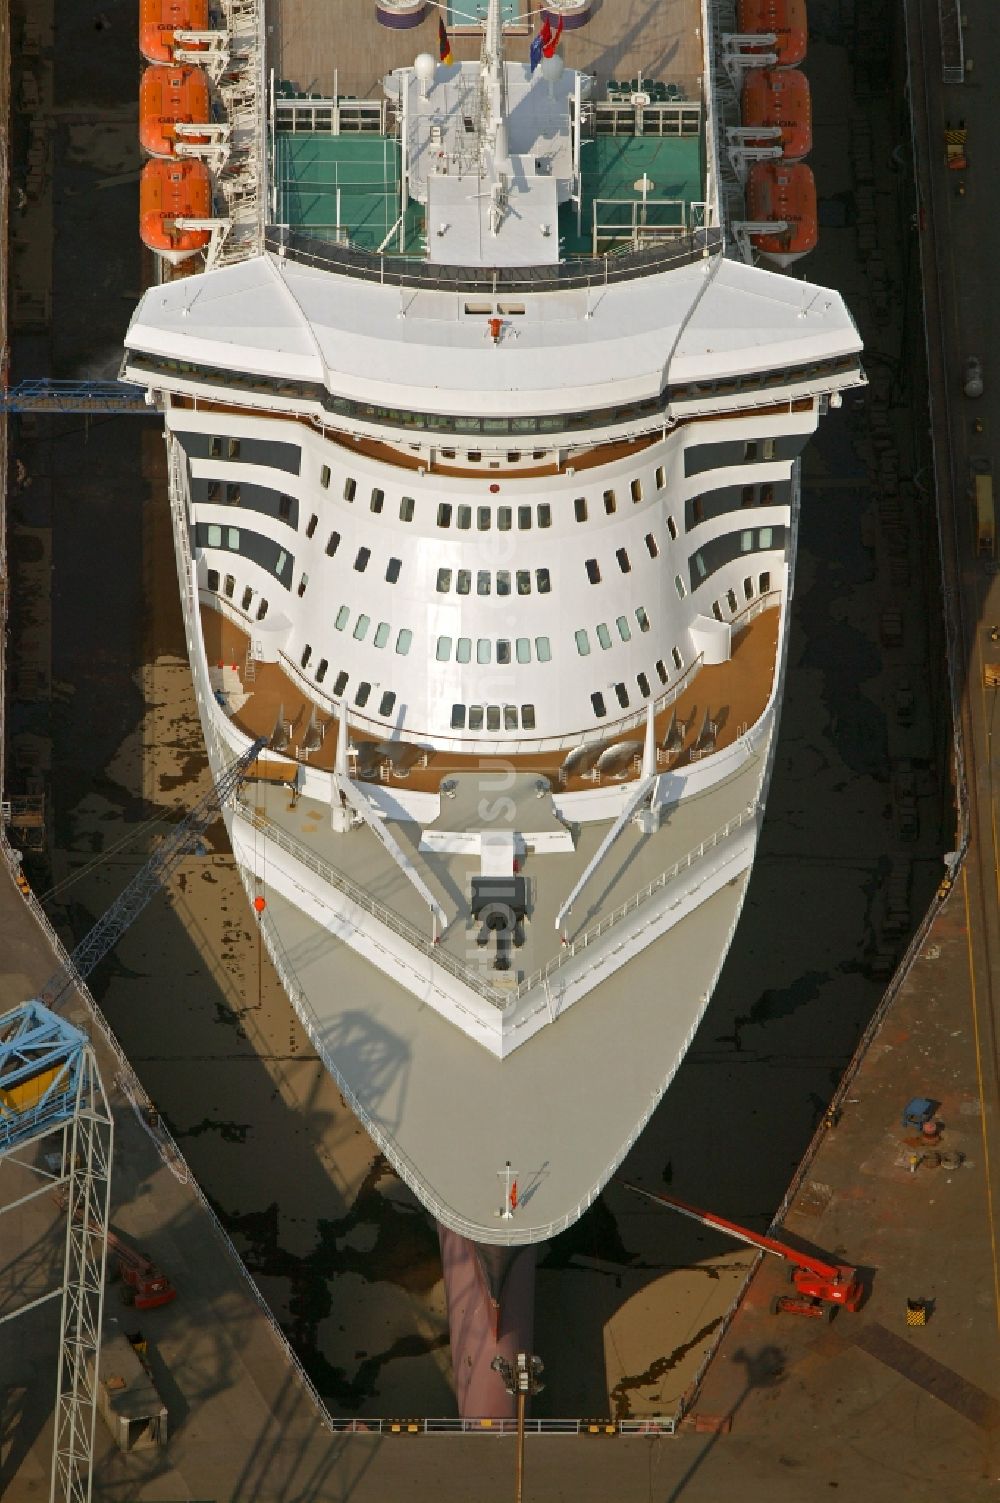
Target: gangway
x,y
46,396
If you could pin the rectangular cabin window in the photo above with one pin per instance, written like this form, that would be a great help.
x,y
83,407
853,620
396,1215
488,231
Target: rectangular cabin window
x,y
443,652
641,618
324,476
610,502
340,684
524,518
543,651
311,526
306,655
483,582
543,581
764,583
212,492
503,581
580,508
350,489
444,514
700,567
767,495
523,649
378,499
463,581
622,695
463,519
746,541
678,660
392,569
475,717
643,683
484,651
332,544
406,509
342,617
492,717
652,547
361,627
697,510
234,448
750,451
603,635
504,518
661,477
661,670
545,515
672,527
624,630
748,588
582,643
527,717
215,447
475,456
748,496
229,585
510,717
624,562
679,587
303,584
484,518
731,601
524,581
600,709
387,703
463,650
381,636
458,717
403,641
765,537
593,570
361,698
361,562
443,581
262,610
214,536
285,508
321,668
213,580
636,489
233,494
503,651
716,610
769,448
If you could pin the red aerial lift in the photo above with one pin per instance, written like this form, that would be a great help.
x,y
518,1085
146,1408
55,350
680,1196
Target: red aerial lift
x,y
820,1287
143,1284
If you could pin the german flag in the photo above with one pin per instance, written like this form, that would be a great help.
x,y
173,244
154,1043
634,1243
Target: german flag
x,y
444,43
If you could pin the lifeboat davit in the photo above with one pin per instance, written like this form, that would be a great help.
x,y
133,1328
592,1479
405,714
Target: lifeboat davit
x,y
159,19
786,18
168,97
784,191
169,191
780,97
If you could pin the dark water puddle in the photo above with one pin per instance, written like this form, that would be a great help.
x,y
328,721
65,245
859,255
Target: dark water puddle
x,y
621,1406
230,1132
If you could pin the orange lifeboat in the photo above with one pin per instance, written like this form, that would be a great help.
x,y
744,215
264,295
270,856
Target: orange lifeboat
x,y
786,18
159,19
784,190
170,96
169,191
780,96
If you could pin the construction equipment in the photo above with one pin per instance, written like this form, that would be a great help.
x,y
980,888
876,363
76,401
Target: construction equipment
x,y
143,1284
820,1287
955,138
918,1112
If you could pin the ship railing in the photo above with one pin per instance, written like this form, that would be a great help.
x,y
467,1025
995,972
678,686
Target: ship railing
x,y
264,825
413,271
597,931
653,1424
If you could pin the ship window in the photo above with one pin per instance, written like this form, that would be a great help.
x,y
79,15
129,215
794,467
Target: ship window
x,y
679,587
767,495
361,698
580,508
672,527
404,641
545,515
769,448
543,581
504,518
444,514
443,652
624,562
597,700
458,717
214,536
463,519
392,570
716,610
593,571
378,499
474,456
443,581
643,683
361,627
764,583
303,582
624,630
212,491
492,717
342,617
750,450
748,587
483,582
513,456
652,547
603,635
234,448
765,537
746,542
233,494
622,695
475,717
233,539
661,670
406,507
636,488
386,703
463,582
503,581
381,636
524,518
747,496
215,448
361,562
306,655
527,717
484,518
609,502
731,601
311,528
524,581
510,717
678,660
324,476
213,580
321,670
229,585
697,510
281,561
350,489
447,454
340,683
484,650
503,651
642,618
523,649
582,643
661,477
332,544
699,563
463,650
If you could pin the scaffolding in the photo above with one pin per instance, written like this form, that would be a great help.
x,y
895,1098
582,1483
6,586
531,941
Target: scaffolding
x,y
51,1089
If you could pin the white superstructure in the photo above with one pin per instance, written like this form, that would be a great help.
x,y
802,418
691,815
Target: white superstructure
x,y
496,548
